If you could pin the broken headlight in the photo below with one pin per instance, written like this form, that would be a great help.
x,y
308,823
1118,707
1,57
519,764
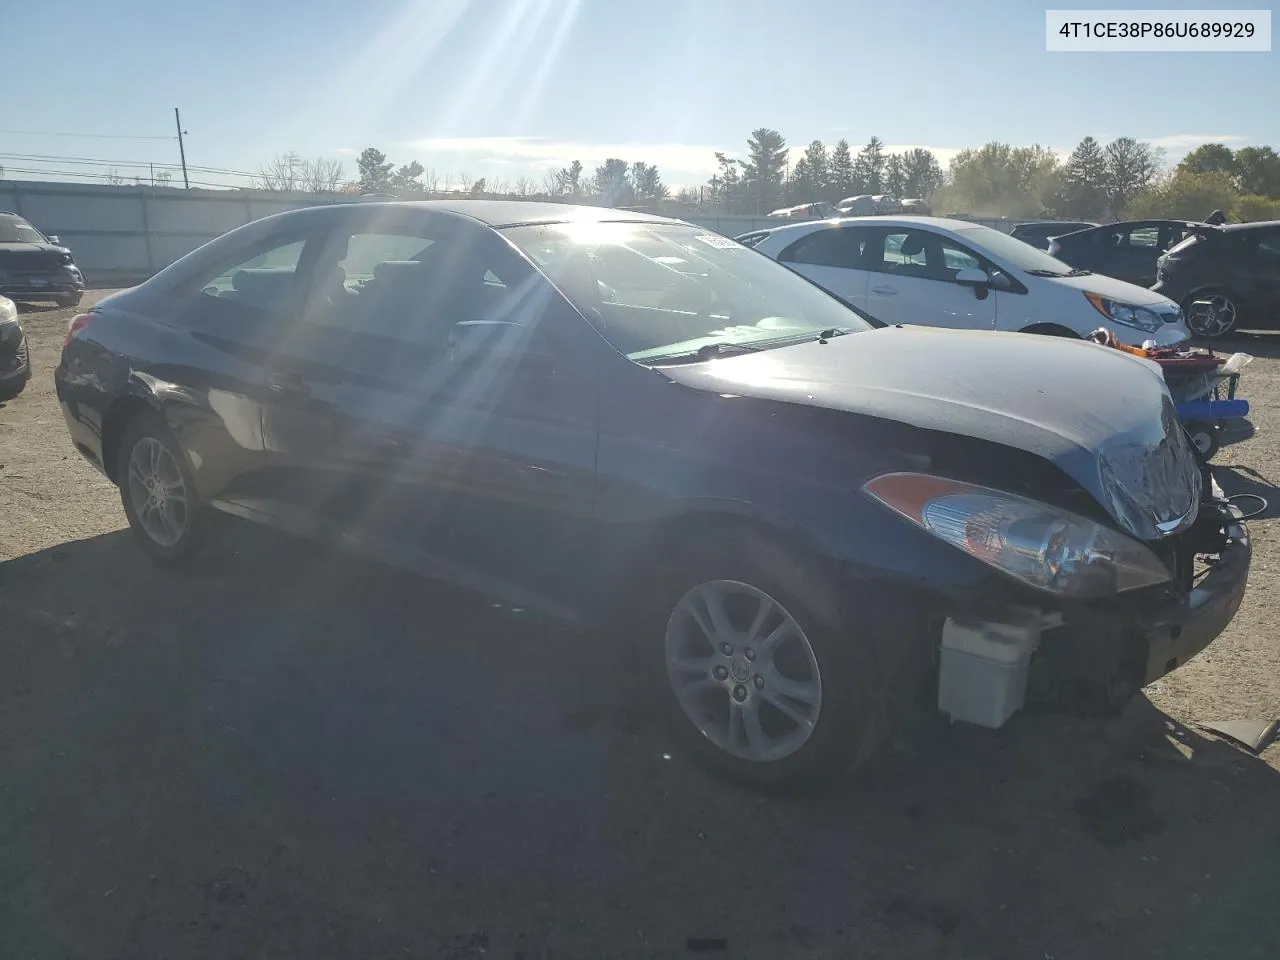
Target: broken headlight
x,y
1043,546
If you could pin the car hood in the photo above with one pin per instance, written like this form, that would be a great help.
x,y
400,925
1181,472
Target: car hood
x,y
1102,416
1114,289
26,249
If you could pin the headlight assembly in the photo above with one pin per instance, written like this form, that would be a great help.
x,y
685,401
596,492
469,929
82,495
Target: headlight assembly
x,y
1043,546
1139,318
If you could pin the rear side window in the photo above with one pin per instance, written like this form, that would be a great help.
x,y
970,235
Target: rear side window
x,y
263,279
751,239
1144,237
833,247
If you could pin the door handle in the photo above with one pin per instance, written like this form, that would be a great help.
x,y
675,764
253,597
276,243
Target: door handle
x,y
885,291
287,383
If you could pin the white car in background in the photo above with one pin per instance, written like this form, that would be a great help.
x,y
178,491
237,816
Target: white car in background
x,y
931,271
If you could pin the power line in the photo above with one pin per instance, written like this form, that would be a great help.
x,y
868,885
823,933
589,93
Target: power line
x,y
108,177
97,161
95,136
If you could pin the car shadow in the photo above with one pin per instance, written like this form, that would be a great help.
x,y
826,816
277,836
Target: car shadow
x,y
1258,343
288,745
26,307
1245,482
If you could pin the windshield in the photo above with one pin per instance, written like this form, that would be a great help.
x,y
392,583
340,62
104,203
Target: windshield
x,y
1014,252
661,290
13,230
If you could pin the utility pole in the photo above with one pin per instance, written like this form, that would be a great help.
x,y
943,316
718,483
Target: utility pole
x,y
186,184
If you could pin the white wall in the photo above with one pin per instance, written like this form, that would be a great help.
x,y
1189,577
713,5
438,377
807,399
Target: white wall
x,y
125,234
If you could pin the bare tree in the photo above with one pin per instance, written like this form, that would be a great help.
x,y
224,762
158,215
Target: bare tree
x,y
321,175
114,178
552,185
499,187
524,187
163,178
282,173
464,182
430,180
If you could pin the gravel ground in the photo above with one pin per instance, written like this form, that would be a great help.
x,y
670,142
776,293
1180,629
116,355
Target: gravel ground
x,y
300,754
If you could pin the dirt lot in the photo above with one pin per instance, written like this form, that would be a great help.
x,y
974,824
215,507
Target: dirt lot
x,y
299,754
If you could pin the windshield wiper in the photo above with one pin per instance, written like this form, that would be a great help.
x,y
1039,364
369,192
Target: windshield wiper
x,y
1080,273
1048,273
708,351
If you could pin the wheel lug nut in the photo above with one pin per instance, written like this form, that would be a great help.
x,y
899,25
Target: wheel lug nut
x,y
726,649
759,682
739,693
720,672
751,654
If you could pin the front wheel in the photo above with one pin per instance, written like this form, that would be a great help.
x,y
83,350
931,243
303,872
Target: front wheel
x,y
1218,315
158,491
766,683
71,300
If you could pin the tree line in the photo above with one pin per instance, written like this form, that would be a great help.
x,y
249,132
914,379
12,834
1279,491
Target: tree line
x,y
1125,177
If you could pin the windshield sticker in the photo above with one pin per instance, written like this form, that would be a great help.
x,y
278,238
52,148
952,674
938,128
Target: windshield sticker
x,y
720,243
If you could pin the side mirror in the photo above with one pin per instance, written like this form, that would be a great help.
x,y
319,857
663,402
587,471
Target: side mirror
x,y
53,238
975,278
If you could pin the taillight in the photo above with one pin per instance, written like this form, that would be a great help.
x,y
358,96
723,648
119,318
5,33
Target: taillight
x,y
77,325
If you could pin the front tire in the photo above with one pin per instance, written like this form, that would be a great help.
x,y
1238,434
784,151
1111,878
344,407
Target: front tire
x,y
767,681
158,491
71,300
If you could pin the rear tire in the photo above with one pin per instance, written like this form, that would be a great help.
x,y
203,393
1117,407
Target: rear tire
x,y
72,300
158,491
766,680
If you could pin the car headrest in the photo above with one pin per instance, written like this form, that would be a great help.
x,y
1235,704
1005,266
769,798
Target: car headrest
x,y
393,270
913,245
262,280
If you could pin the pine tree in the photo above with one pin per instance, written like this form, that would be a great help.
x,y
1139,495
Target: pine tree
x,y
841,172
765,169
819,175
1084,181
868,168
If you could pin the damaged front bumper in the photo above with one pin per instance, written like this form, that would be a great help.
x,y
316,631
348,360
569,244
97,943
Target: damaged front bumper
x,y
1092,658
1176,634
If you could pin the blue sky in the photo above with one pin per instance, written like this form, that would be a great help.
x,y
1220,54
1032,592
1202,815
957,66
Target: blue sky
x,y
510,88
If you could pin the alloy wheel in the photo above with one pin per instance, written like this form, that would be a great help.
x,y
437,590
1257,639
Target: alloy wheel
x,y
1214,322
157,492
743,670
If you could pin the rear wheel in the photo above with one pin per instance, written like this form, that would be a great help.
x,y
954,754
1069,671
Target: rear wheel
x,y
70,300
767,683
1219,316
158,490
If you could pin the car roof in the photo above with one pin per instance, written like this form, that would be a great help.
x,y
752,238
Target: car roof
x,y
1052,223
511,213
1257,224
939,223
